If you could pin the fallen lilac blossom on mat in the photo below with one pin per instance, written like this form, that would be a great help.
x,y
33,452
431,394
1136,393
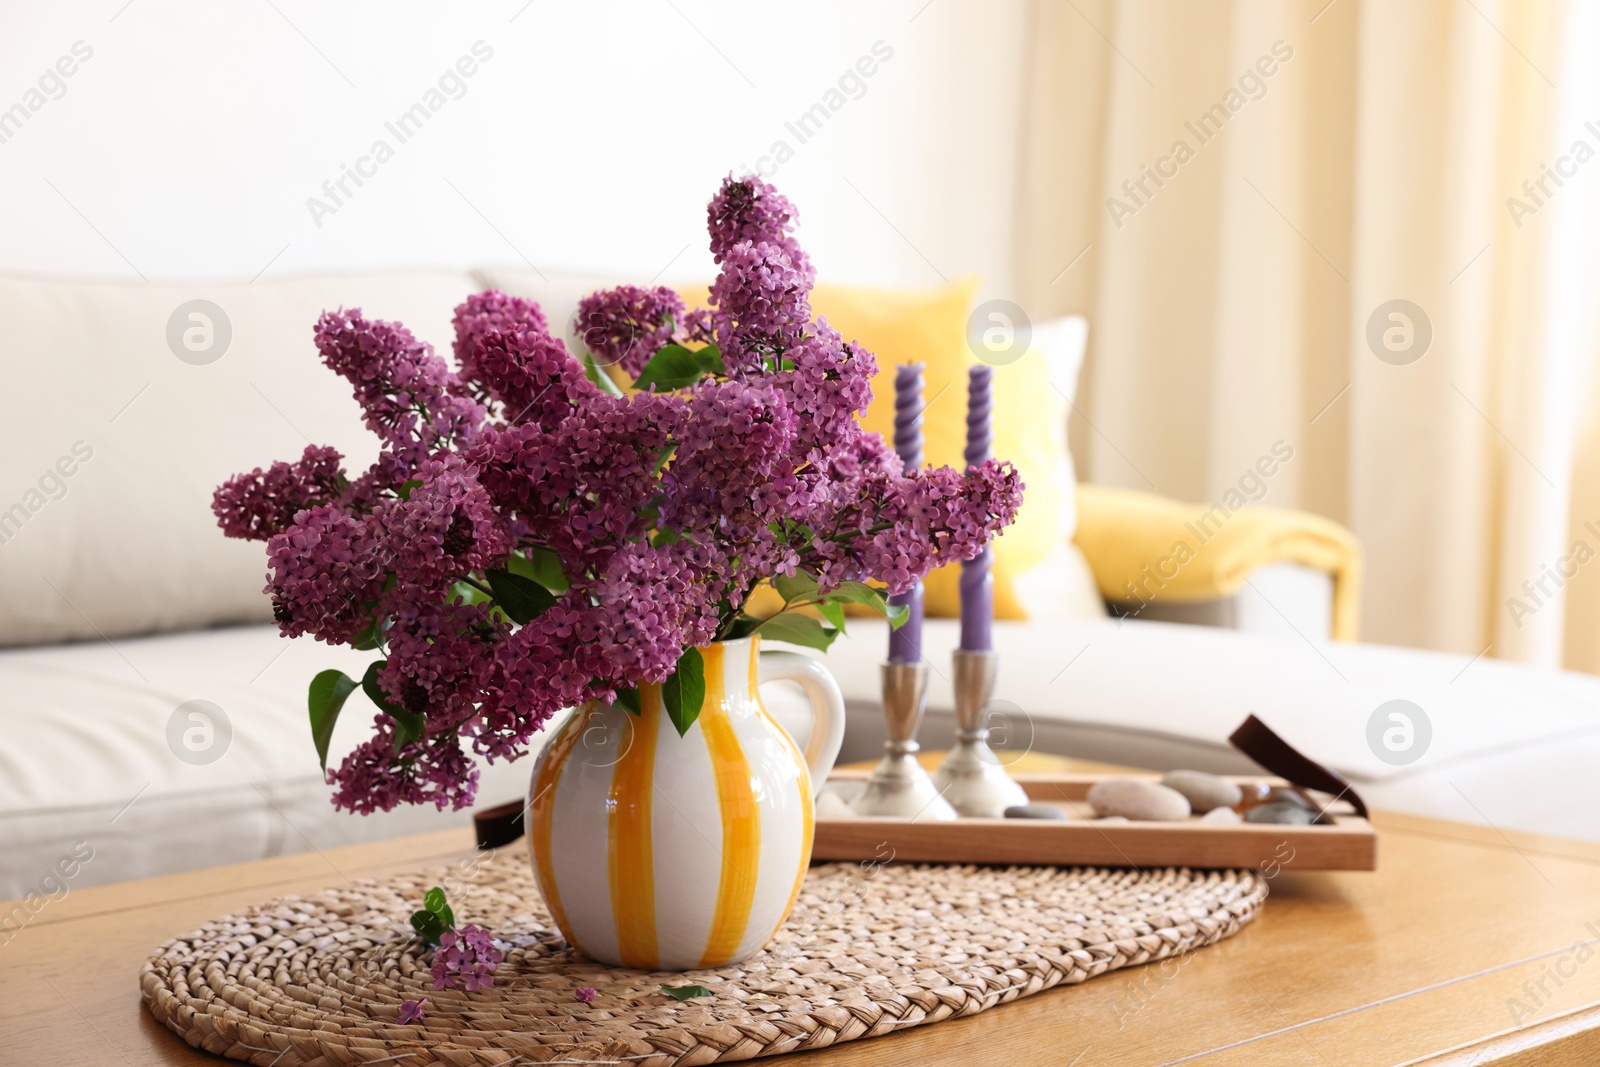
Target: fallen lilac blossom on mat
x,y
466,955
411,1011
584,993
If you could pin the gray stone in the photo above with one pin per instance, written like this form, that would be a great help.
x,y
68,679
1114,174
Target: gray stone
x,y
1282,812
1139,800
1113,818
1205,792
1221,817
1034,811
1290,795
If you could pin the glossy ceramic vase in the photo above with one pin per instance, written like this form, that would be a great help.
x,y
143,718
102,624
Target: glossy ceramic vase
x,y
670,853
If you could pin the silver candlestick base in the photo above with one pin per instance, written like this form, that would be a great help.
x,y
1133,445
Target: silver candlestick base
x,y
898,786
971,777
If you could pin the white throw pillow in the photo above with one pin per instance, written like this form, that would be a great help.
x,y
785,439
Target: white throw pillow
x,y
114,443
1063,586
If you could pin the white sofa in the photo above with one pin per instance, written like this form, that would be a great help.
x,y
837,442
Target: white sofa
x,y
121,604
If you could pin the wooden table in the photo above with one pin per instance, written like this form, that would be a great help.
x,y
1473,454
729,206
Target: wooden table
x,y
1468,946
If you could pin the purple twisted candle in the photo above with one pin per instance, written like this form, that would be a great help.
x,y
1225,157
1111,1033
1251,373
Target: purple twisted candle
x,y
905,644
908,415
977,584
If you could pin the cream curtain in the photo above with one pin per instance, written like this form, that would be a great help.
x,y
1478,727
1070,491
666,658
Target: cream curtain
x,y
1233,191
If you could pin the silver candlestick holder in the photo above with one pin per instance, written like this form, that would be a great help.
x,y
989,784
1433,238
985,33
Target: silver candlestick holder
x,y
971,777
899,787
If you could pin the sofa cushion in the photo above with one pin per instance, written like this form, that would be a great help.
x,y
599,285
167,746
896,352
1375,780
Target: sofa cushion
x,y
118,438
93,745
101,743
1508,742
1197,684
122,745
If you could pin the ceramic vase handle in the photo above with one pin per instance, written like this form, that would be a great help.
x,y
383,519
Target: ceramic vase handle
x,y
827,707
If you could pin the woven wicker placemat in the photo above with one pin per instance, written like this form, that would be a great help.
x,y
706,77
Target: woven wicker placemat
x,y
318,980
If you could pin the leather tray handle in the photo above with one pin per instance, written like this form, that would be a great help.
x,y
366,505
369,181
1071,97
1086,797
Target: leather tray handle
x,y
1258,741
499,825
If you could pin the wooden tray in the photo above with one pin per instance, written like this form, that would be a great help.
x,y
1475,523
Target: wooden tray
x,y
1348,844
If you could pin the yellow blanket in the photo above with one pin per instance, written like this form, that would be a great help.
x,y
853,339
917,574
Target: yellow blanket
x,y
1142,547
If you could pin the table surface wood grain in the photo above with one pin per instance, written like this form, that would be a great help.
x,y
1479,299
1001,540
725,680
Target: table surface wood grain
x,y
1467,946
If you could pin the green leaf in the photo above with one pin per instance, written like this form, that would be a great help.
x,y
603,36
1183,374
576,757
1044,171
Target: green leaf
x,y
369,636
685,691
743,626
797,630
872,597
685,992
521,598
710,360
408,725
833,612
544,567
666,454
629,701
436,904
793,586
329,689
469,593
674,367
407,488
860,593
596,374
428,926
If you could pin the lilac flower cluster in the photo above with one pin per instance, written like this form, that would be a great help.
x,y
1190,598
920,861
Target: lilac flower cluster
x,y
628,325
467,957
528,540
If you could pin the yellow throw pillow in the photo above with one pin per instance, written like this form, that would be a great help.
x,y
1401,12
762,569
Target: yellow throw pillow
x,y
930,326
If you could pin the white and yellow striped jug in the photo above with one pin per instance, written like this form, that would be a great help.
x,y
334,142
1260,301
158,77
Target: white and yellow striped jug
x,y
670,853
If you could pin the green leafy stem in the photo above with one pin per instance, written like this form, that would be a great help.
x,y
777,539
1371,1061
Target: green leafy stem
x,y
434,917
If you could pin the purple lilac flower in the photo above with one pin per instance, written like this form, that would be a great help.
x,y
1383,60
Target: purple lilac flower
x,y
650,612
751,210
254,506
325,571
628,325
379,775
439,660
763,300
734,464
550,664
533,376
832,383
584,994
663,510
578,486
446,528
699,327
491,312
395,375
411,1011
466,956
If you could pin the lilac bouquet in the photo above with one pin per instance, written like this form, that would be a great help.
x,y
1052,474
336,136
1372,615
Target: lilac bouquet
x,y
532,538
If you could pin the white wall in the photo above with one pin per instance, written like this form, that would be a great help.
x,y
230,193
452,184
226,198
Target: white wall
x,y
187,145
